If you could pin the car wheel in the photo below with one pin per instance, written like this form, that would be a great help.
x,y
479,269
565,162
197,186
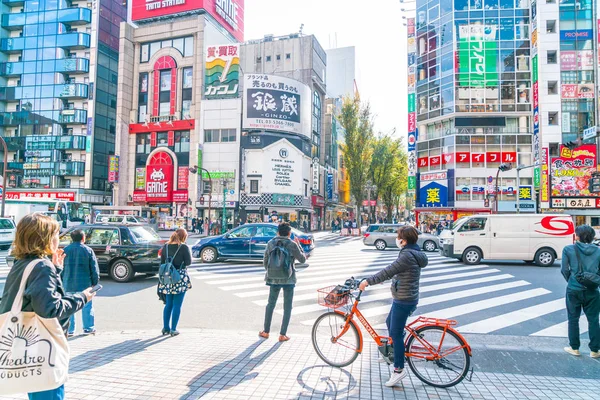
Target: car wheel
x,y
208,255
472,256
380,245
122,271
544,257
429,246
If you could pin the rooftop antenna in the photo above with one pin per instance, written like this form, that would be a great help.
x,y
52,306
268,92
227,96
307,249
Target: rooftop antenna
x,y
301,28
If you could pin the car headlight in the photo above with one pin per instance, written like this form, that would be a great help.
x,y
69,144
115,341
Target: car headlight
x,y
447,241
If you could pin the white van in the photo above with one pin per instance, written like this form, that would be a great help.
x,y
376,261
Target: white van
x,y
7,232
538,238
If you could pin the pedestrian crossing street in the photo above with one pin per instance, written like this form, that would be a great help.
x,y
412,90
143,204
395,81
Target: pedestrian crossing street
x,y
482,298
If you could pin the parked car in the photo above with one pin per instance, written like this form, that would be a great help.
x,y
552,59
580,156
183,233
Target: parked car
x,y
7,232
117,219
538,238
121,250
383,236
248,241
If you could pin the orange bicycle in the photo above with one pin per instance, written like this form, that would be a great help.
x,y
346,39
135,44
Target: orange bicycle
x,y
436,353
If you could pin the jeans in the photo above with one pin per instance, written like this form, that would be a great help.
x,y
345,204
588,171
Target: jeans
x,y
589,301
288,296
87,316
54,394
396,321
172,311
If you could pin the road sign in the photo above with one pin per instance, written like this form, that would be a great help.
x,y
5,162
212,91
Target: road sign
x,y
589,133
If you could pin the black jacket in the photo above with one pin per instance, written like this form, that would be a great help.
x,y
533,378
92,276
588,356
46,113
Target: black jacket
x,y
44,293
182,258
295,251
405,273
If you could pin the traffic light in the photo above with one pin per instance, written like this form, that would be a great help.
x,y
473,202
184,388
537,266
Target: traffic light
x,y
505,167
573,144
594,183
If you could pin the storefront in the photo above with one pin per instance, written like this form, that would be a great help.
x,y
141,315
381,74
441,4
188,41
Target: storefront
x,y
429,217
318,203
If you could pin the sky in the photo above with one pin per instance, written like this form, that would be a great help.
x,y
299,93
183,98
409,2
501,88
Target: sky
x,y
373,27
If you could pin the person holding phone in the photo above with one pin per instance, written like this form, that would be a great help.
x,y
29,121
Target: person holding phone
x,y
37,238
80,271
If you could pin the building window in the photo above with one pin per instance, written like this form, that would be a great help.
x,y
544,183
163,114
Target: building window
x,y
211,135
184,45
254,186
143,97
278,57
551,57
228,135
268,58
551,26
165,93
316,117
552,87
288,56
182,142
553,149
186,93
553,118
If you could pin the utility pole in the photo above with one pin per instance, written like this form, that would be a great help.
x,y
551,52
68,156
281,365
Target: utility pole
x,y
519,183
5,149
224,219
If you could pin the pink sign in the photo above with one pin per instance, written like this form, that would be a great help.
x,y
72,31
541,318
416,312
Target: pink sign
x,y
568,60
412,122
568,91
536,95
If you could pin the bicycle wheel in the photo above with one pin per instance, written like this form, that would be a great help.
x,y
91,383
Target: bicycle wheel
x,y
450,369
341,352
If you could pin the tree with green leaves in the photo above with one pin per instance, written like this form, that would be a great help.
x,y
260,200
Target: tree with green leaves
x,y
357,120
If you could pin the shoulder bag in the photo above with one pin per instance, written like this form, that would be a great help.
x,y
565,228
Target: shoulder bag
x,y
34,353
591,280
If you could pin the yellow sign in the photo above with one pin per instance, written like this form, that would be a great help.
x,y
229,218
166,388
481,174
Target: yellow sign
x,y
525,193
433,195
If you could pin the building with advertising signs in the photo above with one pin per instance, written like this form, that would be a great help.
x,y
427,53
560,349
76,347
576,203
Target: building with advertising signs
x,y
178,110
287,103
471,108
58,93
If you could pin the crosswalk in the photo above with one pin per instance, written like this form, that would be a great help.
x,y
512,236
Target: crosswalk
x,y
482,298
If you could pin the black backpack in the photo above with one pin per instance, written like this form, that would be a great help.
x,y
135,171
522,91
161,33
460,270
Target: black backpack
x,y
590,280
279,265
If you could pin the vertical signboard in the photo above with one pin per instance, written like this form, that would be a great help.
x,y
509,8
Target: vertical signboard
x,y
545,189
478,55
222,71
536,102
412,117
330,187
113,169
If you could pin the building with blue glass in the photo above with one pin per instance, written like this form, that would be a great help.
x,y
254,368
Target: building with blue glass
x,y
58,94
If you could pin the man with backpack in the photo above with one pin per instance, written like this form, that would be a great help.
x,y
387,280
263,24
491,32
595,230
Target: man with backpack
x,y
580,268
280,274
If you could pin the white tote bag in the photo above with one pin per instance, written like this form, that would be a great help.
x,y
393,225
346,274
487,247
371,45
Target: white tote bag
x,y
34,353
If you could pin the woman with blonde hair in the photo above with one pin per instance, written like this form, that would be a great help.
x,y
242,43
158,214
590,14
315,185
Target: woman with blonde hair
x,y
180,256
37,238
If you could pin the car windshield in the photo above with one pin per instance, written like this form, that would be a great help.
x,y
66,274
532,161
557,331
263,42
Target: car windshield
x,y
297,232
76,212
6,224
143,234
459,222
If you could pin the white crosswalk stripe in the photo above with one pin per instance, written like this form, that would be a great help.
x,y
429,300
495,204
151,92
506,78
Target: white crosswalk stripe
x,y
449,289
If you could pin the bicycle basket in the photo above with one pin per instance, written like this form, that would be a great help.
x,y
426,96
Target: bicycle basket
x,y
333,296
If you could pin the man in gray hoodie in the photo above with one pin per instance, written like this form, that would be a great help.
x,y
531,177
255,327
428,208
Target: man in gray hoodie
x,y
578,296
280,277
405,273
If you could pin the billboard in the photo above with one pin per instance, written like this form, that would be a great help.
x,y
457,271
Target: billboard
x,y
228,13
571,171
276,103
159,178
478,55
433,194
113,169
222,71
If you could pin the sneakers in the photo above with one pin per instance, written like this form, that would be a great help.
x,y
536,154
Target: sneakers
x,y
70,334
595,354
396,378
89,331
572,351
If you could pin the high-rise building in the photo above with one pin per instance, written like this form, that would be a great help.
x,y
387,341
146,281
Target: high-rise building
x,y
341,71
58,95
471,106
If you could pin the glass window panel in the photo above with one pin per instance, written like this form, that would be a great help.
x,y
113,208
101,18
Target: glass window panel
x,y
165,80
187,78
188,47
178,44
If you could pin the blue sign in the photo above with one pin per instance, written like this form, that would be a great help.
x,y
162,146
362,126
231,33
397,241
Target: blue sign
x,y
434,194
525,193
330,187
412,59
576,34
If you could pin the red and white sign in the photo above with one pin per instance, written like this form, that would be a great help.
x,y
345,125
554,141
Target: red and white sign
x,y
447,159
366,203
32,196
423,162
434,161
183,174
568,91
509,157
463,157
159,178
536,95
139,197
228,13
478,157
434,176
180,196
492,157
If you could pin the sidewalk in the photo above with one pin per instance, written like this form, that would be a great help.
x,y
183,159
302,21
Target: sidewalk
x,y
213,364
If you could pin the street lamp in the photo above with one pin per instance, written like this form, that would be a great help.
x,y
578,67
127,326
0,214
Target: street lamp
x,y
5,148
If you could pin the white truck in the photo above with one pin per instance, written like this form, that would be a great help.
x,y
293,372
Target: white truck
x,y
67,213
538,238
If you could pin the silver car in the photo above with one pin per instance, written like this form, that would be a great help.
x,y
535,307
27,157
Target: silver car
x,y
383,236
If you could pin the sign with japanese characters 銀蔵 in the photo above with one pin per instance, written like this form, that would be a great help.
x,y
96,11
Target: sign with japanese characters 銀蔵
x,y
276,103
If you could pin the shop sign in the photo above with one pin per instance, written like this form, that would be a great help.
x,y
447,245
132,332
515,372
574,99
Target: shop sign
x,y
434,194
576,34
329,187
180,196
113,168
477,55
222,70
159,178
66,196
463,157
372,203
318,201
447,159
218,175
423,162
545,190
581,203
139,197
412,141
276,103
183,174
571,172
566,121
434,176
412,182
511,206
412,163
282,199
477,157
412,121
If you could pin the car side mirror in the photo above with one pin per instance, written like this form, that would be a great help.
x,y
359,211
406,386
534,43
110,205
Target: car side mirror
x,y
226,235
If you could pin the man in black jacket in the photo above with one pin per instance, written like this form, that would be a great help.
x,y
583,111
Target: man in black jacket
x,y
405,273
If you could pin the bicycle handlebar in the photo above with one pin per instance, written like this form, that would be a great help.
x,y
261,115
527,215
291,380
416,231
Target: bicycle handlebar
x,y
352,283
